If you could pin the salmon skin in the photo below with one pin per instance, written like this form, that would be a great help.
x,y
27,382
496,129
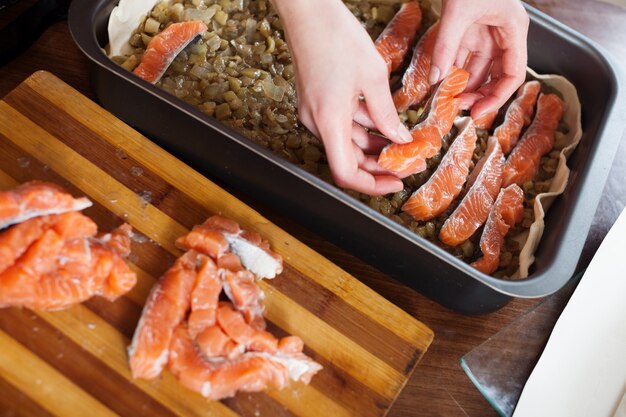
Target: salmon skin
x,y
518,115
523,162
415,85
445,184
484,185
165,46
34,199
410,158
396,39
506,212
216,347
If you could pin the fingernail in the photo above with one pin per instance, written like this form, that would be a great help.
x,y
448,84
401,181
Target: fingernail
x,y
433,77
404,134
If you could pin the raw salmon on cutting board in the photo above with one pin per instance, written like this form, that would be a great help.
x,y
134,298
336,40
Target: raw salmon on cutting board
x,y
71,141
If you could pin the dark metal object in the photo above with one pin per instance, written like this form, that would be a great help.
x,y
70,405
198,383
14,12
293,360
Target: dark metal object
x,y
222,153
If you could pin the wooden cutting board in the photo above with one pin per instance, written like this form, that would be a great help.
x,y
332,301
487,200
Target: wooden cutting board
x,y
74,362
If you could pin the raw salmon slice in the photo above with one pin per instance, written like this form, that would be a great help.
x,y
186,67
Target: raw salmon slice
x,y
119,239
415,84
18,280
56,262
410,158
63,285
523,162
204,296
250,372
116,244
485,121
290,344
240,287
82,272
394,42
34,199
208,286
204,239
199,320
234,325
213,342
17,239
434,197
484,186
517,116
223,224
165,46
165,308
506,212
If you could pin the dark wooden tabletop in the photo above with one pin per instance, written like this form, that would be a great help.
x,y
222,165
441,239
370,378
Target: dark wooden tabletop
x,y
439,387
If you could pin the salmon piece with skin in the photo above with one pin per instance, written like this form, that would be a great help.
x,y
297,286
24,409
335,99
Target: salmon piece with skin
x,y
250,372
507,211
165,308
518,115
34,199
399,34
415,85
446,183
523,162
484,185
218,235
165,46
410,158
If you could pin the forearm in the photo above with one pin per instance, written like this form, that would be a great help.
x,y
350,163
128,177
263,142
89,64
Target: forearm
x,y
302,19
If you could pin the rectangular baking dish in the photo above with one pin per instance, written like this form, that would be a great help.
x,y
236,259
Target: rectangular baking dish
x,y
226,156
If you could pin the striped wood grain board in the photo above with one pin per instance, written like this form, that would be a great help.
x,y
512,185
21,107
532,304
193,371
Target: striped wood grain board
x,y
74,363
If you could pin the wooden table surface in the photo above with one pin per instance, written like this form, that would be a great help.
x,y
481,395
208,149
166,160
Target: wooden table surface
x,y
439,387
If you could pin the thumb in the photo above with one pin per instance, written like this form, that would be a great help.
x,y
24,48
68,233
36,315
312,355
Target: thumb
x,y
383,113
452,28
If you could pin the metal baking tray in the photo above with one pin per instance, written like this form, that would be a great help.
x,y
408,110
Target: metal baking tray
x,y
225,155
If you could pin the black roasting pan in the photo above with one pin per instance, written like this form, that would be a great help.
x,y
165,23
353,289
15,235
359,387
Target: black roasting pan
x,y
225,156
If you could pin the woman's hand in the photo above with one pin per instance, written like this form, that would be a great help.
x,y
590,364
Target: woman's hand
x,y
342,85
494,33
